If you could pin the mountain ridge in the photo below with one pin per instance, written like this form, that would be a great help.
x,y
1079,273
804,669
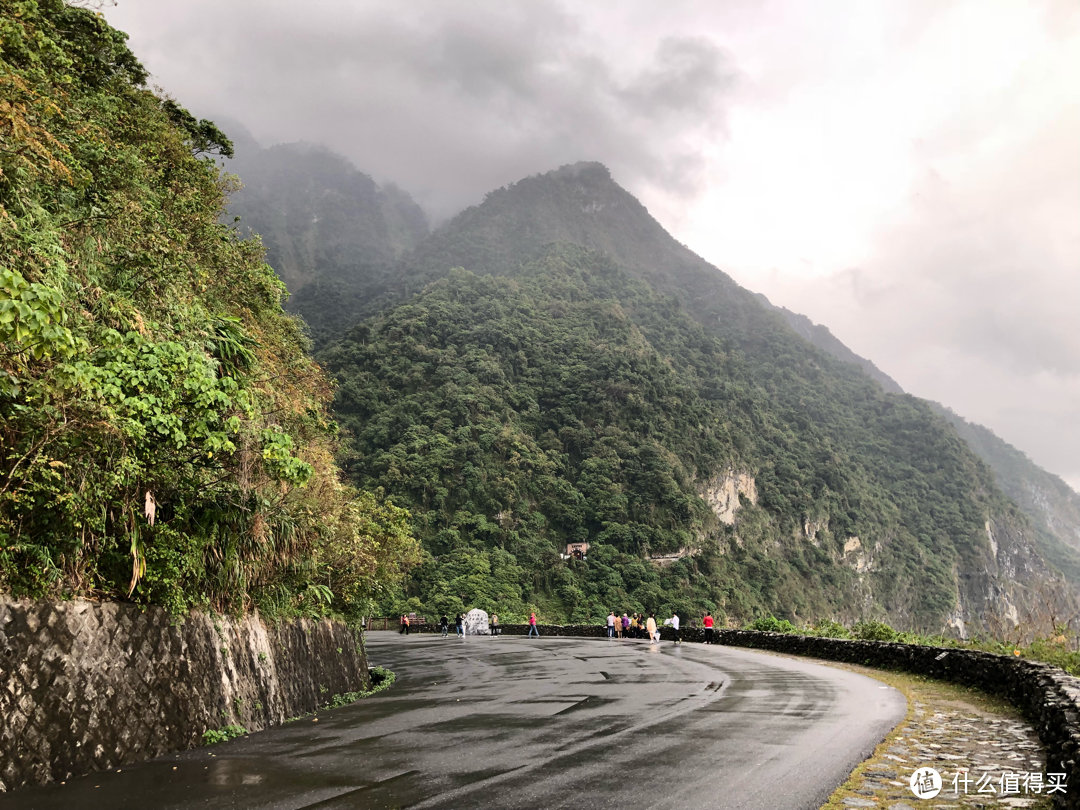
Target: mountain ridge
x,y
804,382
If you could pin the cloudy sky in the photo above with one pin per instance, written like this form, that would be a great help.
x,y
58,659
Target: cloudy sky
x,y
907,173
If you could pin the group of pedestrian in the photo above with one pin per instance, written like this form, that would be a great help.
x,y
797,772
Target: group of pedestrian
x,y
637,625
461,625
640,626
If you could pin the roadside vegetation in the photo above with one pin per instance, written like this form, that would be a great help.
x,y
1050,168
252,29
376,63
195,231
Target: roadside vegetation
x,y
164,435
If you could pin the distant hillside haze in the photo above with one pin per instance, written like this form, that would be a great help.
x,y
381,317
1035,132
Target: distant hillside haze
x,y
825,340
1051,504
766,469
330,231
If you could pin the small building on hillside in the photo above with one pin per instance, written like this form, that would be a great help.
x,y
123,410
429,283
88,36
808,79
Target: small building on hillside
x,y
576,551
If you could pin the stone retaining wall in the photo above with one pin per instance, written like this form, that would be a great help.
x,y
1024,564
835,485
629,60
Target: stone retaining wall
x,y
1048,696
87,686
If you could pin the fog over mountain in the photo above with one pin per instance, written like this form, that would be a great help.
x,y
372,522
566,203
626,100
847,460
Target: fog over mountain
x,y
903,173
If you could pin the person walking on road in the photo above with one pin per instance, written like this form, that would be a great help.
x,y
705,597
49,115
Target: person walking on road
x,y
444,623
494,624
707,622
675,627
404,625
625,626
532,626
650,627
611,624
459,625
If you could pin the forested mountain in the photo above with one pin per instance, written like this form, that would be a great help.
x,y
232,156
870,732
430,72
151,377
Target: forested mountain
x,y
330,231
820,336
632,395
571,402
1048,502
488,406
1052,505
165,437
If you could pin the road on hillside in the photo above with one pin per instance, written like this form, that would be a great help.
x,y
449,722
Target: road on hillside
x,y
511,722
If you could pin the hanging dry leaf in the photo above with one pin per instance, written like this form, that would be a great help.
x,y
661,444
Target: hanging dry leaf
x,y
150,509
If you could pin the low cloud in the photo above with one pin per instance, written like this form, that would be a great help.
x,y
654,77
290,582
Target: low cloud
x,y
447,100
908,167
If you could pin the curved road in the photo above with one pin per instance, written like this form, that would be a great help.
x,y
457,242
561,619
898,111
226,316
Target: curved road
x,y
550,723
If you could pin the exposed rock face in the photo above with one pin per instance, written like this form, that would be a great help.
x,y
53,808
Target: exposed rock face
x,y
722,494
1049,503
859,558
87,686
1010,591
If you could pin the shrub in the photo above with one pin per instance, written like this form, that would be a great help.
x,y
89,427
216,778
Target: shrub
x,y
217,735
771,624
874,631
827,628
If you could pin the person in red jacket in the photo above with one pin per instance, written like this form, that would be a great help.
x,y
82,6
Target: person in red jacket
x,y
708,623
532,626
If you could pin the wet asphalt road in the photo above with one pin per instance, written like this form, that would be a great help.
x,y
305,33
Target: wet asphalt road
x,y
544,724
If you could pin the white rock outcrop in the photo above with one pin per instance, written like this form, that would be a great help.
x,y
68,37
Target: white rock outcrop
x,y
722,494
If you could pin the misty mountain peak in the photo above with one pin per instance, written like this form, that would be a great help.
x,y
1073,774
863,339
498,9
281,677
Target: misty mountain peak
x,y
578,203
320,217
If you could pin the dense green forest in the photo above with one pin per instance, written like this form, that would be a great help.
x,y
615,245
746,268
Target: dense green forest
x,y
568,400
164,435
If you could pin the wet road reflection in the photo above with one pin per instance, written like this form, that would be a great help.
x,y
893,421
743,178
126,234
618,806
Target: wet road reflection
x,y
550,723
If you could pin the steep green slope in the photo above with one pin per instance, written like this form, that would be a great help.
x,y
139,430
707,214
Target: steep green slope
x,y
163,434
330,231
1052,505
820,336
571,402
975,549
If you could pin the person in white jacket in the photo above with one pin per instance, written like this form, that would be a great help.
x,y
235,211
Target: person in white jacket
x,y
675,627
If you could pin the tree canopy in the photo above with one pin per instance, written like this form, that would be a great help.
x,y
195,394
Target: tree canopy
x,y
164,436
569,401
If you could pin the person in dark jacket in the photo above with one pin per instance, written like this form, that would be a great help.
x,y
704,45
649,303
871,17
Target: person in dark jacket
x,y
444,623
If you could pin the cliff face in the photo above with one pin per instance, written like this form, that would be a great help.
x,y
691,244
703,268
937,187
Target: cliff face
x,y
1051,505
